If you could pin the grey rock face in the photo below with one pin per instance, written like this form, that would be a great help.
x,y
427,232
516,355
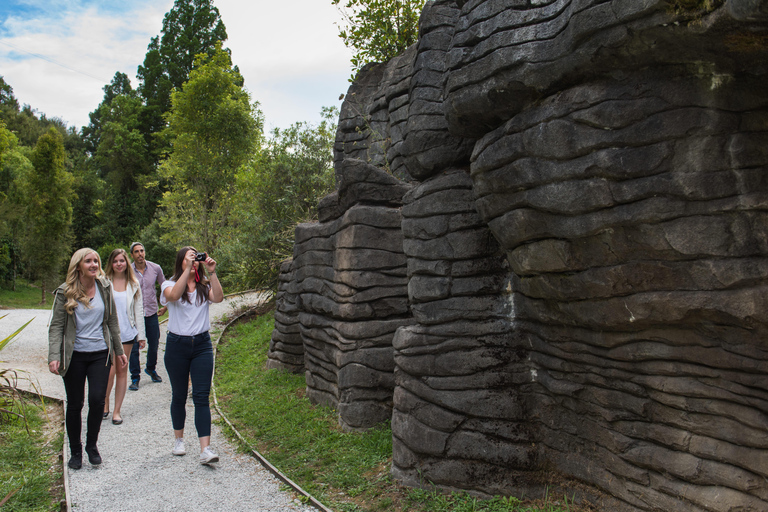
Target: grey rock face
x,y
461,365
344,296
286,348
546,257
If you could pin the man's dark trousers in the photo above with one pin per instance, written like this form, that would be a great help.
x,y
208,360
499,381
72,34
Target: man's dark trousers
x,y
152,327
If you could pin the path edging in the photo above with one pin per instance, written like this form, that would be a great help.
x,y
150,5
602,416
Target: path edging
x,y
264,462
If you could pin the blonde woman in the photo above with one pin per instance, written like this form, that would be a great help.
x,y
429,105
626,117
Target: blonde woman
x,y
130,312
82,337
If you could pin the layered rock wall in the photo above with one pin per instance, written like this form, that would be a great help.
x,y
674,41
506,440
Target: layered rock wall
x,y
286,348
581,239
348,277
461,371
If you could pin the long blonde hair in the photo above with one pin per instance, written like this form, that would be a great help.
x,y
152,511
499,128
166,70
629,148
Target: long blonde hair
x,y
130,275
74,290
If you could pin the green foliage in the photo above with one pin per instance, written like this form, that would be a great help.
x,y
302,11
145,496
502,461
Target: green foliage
x,y
24,296
303,441
47,192
30,470
214,131
378,30
14,164
11,402
190,28
158,250
279,190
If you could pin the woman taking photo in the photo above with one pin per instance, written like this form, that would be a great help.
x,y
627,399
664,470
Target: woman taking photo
x,y
83,335
130,311
188,350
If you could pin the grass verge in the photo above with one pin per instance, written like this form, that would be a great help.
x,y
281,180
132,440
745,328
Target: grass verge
x,y
346,471
30,467
26,296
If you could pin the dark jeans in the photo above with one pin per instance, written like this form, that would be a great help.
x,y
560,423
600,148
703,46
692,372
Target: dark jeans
x,y
190,357
152,328
93,367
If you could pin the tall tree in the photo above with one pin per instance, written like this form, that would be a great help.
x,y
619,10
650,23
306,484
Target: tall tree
x,y
13,164
120,159
214,131
48,198
120,85
378,30
277,191
190,28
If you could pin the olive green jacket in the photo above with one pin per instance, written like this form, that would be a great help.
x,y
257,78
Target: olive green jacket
x,y
61,332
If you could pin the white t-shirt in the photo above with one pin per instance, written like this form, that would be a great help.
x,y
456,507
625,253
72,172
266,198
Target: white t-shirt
x,y
127,331
185,318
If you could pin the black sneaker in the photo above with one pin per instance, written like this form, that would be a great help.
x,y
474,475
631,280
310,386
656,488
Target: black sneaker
x,y
134,385
93,455
76,461
153,374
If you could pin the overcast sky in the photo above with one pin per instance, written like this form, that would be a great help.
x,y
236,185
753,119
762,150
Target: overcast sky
x,y
59,54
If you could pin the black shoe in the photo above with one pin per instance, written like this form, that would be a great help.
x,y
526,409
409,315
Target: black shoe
x,y
76,461
154,375
105,416
134,385
93,455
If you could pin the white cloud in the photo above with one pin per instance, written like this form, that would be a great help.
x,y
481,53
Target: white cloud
x,y
288,52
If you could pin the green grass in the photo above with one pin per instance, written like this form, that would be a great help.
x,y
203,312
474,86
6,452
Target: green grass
x,y
29,463
26,296
346,471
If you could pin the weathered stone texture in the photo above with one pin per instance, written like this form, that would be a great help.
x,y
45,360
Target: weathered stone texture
x,y
348,277
460,367
286,349
571,278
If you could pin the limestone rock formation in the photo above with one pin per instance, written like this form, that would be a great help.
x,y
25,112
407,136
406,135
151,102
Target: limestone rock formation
x,y
546,257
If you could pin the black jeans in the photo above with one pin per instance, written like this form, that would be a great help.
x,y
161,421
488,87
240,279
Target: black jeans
x,y
152,330
93,367
190,357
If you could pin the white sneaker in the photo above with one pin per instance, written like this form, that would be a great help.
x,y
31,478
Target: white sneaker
x,y
208,456
178,446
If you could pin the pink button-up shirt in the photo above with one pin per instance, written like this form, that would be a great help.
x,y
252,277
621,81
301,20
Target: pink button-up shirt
x,y
152,274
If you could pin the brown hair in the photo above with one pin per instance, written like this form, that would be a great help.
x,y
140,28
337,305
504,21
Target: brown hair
x,y
129,274
201,286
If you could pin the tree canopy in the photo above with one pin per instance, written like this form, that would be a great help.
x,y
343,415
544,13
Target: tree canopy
x,y
190,28
214,130
47,192
378,30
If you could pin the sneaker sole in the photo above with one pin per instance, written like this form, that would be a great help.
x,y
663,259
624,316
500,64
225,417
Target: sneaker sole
x,y
178,453
212,459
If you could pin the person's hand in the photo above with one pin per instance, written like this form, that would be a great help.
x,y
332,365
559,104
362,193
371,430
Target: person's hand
x,y
210,265
189,260
161,312
53,367
142,343
123,360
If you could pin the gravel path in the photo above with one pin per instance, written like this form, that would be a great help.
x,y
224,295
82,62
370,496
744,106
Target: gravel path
x,y
139,473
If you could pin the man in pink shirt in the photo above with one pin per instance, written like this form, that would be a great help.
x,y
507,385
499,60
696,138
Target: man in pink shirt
x,y
148,274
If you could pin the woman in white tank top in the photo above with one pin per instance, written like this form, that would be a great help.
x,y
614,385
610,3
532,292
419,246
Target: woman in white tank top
x,y
130,312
